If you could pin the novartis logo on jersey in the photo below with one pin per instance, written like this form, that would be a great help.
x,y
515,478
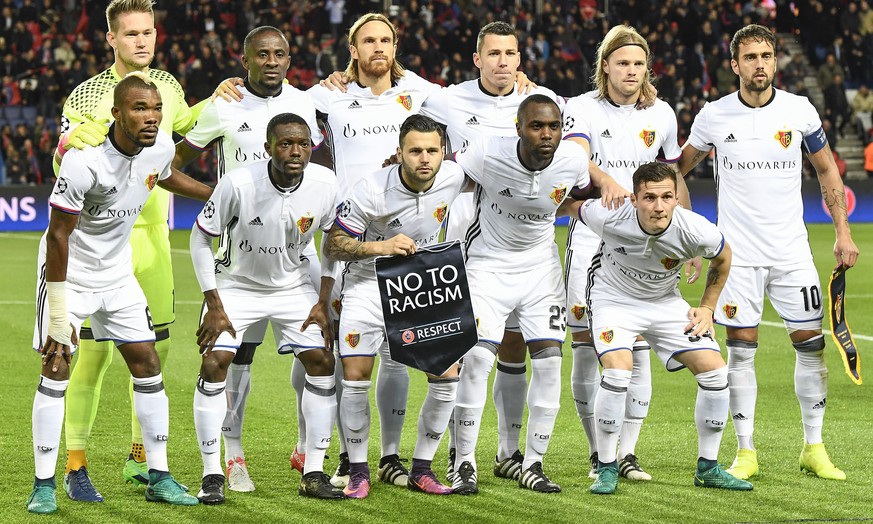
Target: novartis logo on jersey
x,y
377,129
523,217
254,156
246,247
96,211
617,163
758,165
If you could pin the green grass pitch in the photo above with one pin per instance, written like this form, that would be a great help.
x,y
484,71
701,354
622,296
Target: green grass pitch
x,y
667,447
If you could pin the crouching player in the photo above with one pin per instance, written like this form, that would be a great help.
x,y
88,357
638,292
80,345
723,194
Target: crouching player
x,y
391,212
85,271
632,291
269,211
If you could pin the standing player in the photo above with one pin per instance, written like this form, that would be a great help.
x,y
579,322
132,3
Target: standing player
x,y
392,211
632,291
85,271
269,212
759,134
237,129
620,137
132,36
514,267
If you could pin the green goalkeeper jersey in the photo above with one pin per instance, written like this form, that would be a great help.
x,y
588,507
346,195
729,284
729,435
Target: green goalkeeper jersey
x,y
92,100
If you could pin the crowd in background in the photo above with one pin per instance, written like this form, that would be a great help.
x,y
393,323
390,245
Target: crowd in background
x,y
47,47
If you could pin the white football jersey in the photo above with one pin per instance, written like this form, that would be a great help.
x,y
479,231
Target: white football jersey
x,y
513,229
107,189
267,227
381,206
621,138
470,112
241,127
364,129
758,172
634,263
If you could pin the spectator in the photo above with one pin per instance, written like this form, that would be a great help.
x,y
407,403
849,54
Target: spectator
x,y
828,71
862,105
837,108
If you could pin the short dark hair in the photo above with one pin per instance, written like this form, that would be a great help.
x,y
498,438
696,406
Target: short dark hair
x,y
653,172
247,43
421,124
755,32
534,100
494,28
283,119
133,80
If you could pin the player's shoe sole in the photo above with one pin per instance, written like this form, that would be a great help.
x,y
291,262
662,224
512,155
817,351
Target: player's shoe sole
x,y
745,465
814,460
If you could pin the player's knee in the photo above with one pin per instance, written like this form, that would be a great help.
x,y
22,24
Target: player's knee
x,y
212,369
319,363
741,353
810,345
245,354
478,363
512,348
546,352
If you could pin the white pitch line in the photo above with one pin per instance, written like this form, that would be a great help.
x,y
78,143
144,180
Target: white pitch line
x,y
20,236
31,302
825,331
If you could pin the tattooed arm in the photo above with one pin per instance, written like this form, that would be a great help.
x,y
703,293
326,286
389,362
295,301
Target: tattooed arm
x,y
341,245
701,317
834,194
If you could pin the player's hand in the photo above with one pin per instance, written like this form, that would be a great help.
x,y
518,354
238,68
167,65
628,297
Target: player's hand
x,y
336,80
701,321
215,322
84,134
612,195
693,269
645,103
845,251
53,351
227,90
400,245
524,85
391,161
320,316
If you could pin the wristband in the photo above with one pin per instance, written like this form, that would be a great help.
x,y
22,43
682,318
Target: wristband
x,y
707,307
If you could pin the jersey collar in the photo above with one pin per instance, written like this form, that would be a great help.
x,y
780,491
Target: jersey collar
x,y
772,96
284,190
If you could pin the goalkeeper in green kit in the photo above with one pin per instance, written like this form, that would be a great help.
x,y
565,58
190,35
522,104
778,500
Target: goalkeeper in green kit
x,y
85,121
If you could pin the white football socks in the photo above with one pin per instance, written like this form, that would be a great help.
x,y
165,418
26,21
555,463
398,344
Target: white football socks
x,y
509,391
434,416
210,406
585,382
711,411
743,389
543,400
470,402
47,419
153,411
239,384
392,388
609,410
319,410
355,408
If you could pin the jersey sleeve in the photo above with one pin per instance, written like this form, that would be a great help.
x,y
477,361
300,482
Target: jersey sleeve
x,y
576,124
320,97
471,158
593,214
329,215
699,138
207,128
670,145
814,137
75,179
183,120
355,213
314,130
436,106
221,207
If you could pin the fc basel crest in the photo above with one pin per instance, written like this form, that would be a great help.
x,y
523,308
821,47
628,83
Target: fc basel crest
x,y
405,101
578,311
337,305
440,213
606,336
784,138
648,137
669,263
304,224
353,338
151,180
730,310
558,194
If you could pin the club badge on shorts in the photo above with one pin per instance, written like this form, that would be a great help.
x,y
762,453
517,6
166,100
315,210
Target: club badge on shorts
x,y
840,326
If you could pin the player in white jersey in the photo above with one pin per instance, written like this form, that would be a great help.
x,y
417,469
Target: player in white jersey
x,y
237,130
620,136
392,211
269,212
514,267
758,135
632,291
85,271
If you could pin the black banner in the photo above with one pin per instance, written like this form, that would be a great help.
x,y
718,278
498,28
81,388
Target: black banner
x,y
840,331
426,304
